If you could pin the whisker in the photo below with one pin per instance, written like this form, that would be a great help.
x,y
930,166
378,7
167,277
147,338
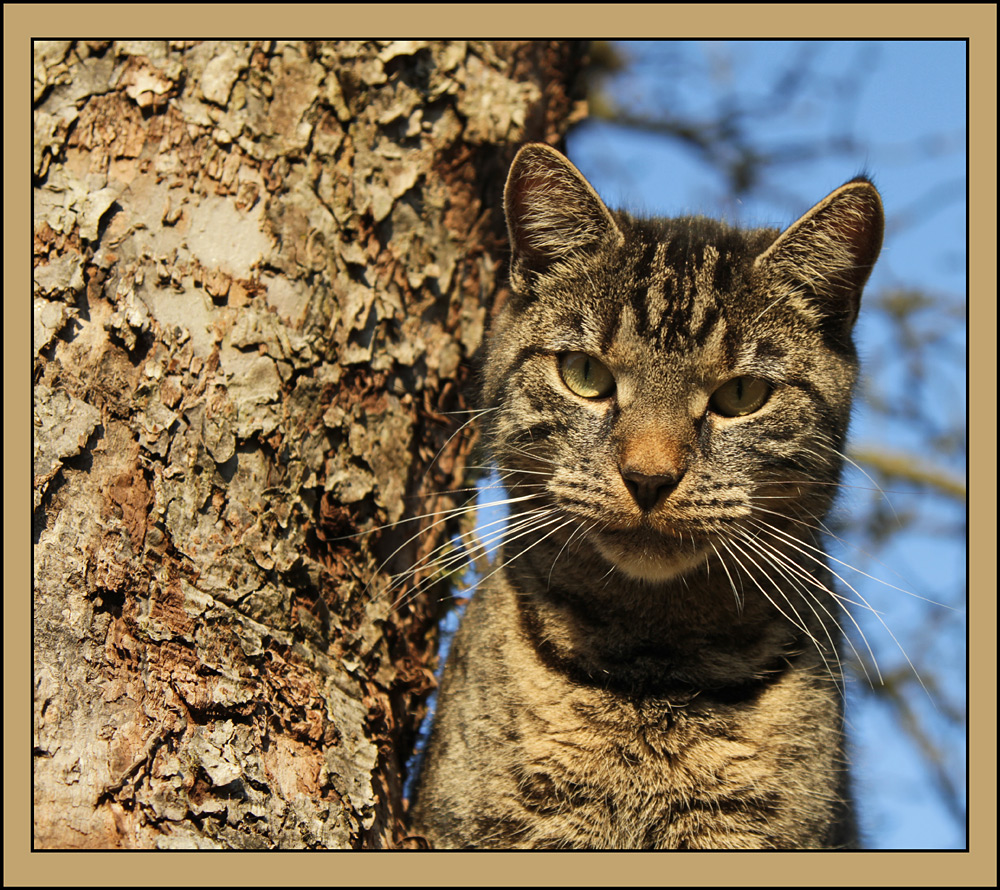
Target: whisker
x,y
739,594
794,572
523,521
867,606
569,540
860,469
797,621
521,553
822,527
446,515
476,414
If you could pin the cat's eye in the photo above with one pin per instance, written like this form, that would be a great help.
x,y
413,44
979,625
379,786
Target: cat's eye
x,y
586,376
741,395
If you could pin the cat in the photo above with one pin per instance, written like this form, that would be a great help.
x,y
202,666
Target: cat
x,y
654,663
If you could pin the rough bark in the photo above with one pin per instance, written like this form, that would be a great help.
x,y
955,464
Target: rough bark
x,y
261,271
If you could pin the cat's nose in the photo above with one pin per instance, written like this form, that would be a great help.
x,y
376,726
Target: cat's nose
x,y
649,490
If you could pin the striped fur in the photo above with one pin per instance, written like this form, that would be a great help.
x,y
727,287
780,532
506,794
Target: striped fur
x,y
655,664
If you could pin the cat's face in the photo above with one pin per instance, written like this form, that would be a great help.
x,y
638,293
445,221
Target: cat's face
x,y
665,388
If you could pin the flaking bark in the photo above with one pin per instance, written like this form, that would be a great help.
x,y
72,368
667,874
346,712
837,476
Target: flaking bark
x,y
261,271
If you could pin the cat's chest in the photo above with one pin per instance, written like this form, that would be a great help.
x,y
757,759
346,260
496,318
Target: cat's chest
x,y
634,776
598,738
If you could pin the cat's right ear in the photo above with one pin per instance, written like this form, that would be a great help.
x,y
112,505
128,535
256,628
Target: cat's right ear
x,y
552,211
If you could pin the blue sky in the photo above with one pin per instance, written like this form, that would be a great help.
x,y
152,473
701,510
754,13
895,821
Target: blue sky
x,y
904,106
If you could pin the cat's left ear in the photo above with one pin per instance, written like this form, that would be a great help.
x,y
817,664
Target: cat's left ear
x,y
832,248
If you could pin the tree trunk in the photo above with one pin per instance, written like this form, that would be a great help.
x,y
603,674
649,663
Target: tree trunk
x,y
261,271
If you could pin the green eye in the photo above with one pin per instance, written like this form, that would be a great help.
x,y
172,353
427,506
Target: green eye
x,y
741,395
586,376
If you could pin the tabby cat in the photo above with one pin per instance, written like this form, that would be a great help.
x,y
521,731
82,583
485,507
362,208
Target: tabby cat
x,y
655,664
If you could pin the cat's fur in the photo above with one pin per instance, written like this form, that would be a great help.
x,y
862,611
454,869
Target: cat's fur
x,y
656,664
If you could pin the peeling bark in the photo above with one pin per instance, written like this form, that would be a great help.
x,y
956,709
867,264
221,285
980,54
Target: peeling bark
x,y
261,271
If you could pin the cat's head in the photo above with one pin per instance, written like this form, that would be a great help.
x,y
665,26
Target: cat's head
x,y
665,387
